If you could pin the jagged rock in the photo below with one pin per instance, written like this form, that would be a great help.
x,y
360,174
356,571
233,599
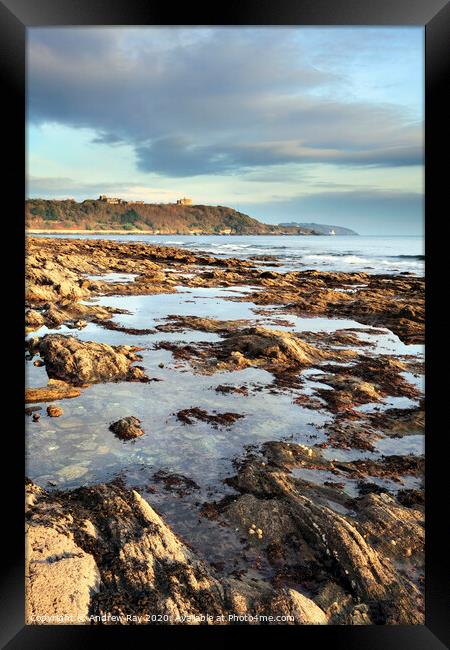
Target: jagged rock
x,y
84,362
60,577
107,553
189,416
55,390
324,538
302,609
396,530
267,344
54,411
33,320
127,428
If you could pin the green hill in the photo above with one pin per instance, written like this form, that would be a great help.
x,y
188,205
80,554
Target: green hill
x,y
163,218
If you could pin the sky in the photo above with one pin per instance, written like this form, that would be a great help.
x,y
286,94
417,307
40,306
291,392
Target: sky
x,y
285,124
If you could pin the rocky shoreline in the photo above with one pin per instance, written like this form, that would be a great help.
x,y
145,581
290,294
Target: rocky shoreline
x,y
329,532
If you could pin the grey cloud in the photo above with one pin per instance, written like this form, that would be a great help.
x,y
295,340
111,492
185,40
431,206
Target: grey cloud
x,y
62,187
208,101
108,138
178,156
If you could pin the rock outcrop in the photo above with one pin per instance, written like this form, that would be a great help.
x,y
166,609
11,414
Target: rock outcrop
x,y
55,390
86,362
103,555
303,534
127,428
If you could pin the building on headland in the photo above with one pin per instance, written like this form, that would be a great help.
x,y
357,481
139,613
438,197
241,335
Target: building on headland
x,y
112,200
184,201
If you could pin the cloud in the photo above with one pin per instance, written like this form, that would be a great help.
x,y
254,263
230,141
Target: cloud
x,y
61,187
209,101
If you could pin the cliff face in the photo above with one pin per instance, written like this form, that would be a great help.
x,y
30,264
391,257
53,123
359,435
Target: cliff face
x,y
154,217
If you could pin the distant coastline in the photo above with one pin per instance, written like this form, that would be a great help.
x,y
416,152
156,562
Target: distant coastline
x,y
68,231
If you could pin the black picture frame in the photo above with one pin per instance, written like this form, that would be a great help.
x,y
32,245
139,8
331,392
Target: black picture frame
x,y
15,17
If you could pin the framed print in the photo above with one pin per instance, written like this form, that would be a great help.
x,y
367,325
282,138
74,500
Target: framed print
x,y
224,263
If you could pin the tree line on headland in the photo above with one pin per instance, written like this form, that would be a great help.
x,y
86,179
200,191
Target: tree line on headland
x,y
156,218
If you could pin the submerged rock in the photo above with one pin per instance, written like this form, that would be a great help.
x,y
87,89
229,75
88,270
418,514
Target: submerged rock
x,y
188,416
86,362
127,428
176,483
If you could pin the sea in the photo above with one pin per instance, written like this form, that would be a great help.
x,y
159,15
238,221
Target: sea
x,y
371,254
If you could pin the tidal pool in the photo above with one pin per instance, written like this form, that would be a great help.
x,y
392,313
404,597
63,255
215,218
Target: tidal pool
x,y
78,448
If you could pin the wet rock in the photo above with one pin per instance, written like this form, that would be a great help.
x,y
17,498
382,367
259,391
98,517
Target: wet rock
x,y
397,531
111,325
350,430
411,498
328,544
33,320
84,362
341,607
368,380
75,314
276,351
177,483
258,343
51,282
54,411
399,422
127,428
235,390
109,535
55,390
29,410
180,323
188,416
396,302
